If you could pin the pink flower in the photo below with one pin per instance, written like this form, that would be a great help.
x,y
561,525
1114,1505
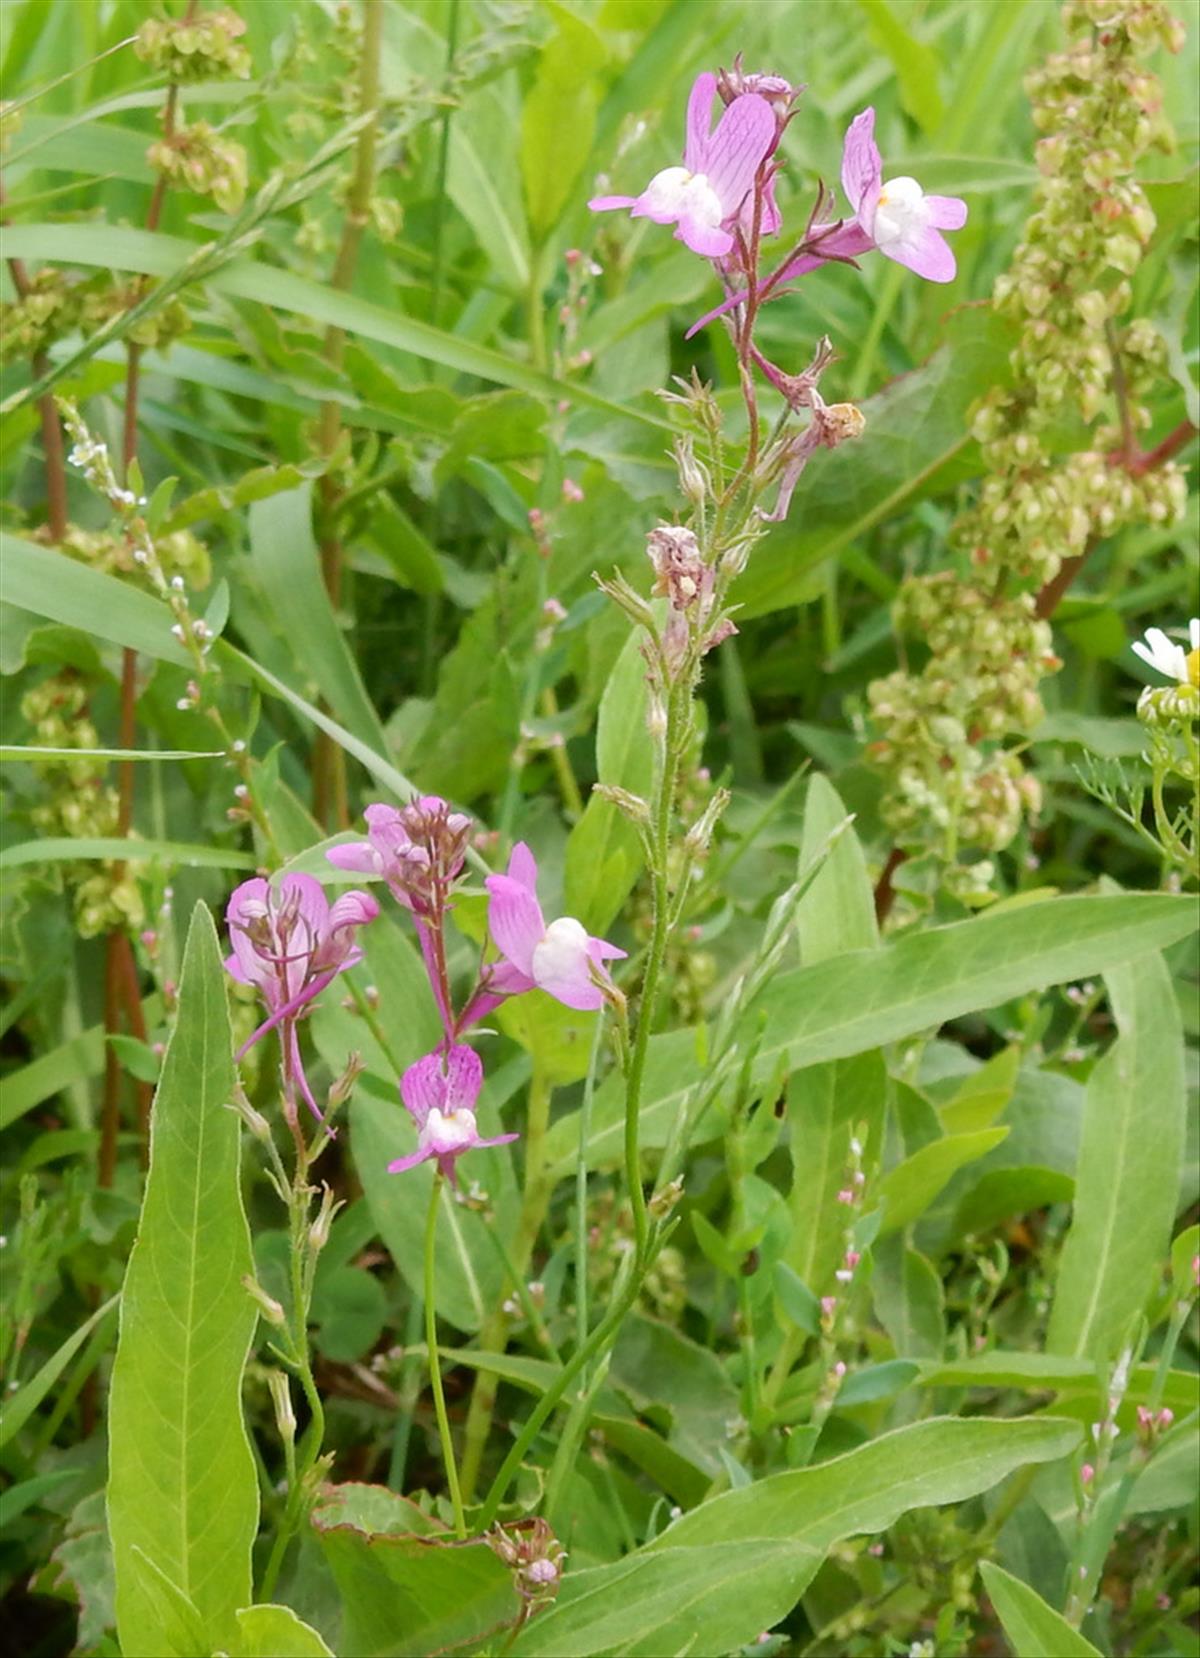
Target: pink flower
x,y
417,849
896,218
440,1092
561,959
706,194
290,942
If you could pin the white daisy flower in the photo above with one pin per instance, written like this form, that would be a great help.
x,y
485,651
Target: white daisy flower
x,y
1169,659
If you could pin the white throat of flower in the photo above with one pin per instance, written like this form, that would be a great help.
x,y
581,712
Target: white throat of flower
x,y
684,195
565,941
901,214
451,1131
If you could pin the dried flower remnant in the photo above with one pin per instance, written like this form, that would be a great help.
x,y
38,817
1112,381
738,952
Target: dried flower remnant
x,y
705,196
290,942
560,958
440,1093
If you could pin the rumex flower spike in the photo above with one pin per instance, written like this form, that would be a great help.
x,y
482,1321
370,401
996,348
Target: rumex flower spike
x,y
439,1093
560,958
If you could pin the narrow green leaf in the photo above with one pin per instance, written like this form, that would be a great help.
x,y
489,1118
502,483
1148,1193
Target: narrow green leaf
x,y
182,1487
1034,1629
917,65
837,913
285,559
558,117
129,849
20,1406
276,1632
51,584
11,751
1133,1130
909,1188
604,855
155,254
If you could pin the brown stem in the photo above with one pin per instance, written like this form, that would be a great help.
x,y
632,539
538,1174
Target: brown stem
x,y
120,969
1147,460
885,892
330,804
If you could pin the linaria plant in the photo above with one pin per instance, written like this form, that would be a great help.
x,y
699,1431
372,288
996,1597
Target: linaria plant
x,y
521,1143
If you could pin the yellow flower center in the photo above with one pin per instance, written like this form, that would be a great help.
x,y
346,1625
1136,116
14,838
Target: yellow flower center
x,y
1193,667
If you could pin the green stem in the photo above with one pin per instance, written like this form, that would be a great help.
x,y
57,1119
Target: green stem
x,y
435,1363
581,1186
660,896
599,1341
443,162
493,1336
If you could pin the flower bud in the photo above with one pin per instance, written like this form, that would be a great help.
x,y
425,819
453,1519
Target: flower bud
x,y
281,1398
268,1307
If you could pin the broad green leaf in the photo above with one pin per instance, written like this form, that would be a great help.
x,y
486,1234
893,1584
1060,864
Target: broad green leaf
x,y
916,443
1034,1629
825,1103
172,1611
737,1564
1054,1372
156,254
656,1365
909,1188
275,1632
558,117
408,1588
182,1486
1133,1131
851,1003
837,913
482,179
285,560
909,1300
20,1406
604,855
1184,1251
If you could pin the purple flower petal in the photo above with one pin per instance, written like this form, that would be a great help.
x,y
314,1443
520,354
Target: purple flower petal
x,y
928,254
862,167
562,965
699,122
744,138
946,212
421,1155
608,204
463,1078
358,856
514,914
423,1087
709,240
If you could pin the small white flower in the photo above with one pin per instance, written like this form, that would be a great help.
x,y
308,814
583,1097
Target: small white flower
x,y
1169,659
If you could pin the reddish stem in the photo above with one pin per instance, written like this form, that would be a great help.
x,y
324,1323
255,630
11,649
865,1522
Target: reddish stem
x,y
885,892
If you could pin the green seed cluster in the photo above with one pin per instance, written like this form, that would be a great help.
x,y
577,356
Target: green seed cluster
x,y
941,730
61,302
179,554
202,48
197,158
78,803
951,783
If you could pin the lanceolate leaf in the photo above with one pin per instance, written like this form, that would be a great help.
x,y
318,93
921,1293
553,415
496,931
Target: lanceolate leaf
x,y
182,1493
1125,1194
734,1566
1034,1630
